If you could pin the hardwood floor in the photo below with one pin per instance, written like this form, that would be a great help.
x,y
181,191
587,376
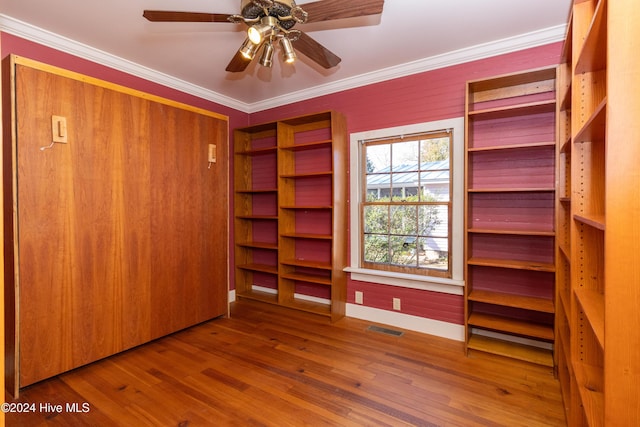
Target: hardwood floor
x,y
269,366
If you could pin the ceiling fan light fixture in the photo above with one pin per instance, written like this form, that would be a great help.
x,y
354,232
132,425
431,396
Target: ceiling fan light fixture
x,y
263,30
248,49
288,54
266,60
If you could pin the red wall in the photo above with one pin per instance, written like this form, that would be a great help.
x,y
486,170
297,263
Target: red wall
x,y
423,97
429,96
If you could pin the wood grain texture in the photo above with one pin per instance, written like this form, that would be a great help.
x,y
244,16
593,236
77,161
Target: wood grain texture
x,y
269,366
119,230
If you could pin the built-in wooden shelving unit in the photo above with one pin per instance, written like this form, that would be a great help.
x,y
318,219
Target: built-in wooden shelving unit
x,y
510,215
598,243
290,213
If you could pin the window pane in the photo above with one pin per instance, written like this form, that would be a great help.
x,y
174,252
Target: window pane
x,y
405,156
404,185
434,253
378,158
414,170
404,220
376,219
403,251
376,248
433,220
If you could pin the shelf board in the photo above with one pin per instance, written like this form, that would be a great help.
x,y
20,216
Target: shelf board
x,y
307,207
512,190
564,199
595,221
593,56
511,326
257,151
258,245
590,386
512,232
514,264
514,110
307,263
510,300
535,77
594,128
259,217
592,304
271,298
513,350
308,146
306,175
308,306
310,278
260,191
307,236
263,268
512,146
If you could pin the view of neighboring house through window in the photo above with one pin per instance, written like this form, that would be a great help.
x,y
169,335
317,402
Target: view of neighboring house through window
x,y
406,203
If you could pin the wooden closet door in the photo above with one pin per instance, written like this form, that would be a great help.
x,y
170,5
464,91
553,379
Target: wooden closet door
x,y
122,231
83,238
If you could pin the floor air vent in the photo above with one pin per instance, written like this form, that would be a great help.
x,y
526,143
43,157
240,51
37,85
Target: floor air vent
x,y
385,331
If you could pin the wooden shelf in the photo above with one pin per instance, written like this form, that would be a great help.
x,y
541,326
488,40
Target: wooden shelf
x,y
512,190
271,298
594,128
510,211
511,325
593,56
590,387
512,350
308,146
257,191
309,278
307,263
307,207
298,189
597,257
258,245
592,304
257,217
595,221
512,146
512,300
514,110
307,236
306,175
515,264
512,232
271,269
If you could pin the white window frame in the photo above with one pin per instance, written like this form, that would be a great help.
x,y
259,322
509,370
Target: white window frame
x,y
453,285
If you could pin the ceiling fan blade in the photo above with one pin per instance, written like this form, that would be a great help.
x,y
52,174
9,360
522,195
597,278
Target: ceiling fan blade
x,y
327,10
169,16
315,51
238,63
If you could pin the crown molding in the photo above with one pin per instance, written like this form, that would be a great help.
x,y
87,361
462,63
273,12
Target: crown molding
x,y
486,50
473,53
64,44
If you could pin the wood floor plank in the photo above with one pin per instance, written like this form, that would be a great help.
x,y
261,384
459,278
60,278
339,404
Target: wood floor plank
x,y
269,366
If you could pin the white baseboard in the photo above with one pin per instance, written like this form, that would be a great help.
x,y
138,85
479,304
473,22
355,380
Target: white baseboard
x,y
406,321
399,320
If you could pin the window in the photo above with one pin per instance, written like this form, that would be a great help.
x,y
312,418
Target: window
x,y
406,203
406,206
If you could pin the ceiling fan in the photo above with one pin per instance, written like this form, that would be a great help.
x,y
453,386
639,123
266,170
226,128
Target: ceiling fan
x,y
271,22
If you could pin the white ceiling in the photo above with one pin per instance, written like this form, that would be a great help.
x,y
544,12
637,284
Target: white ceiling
x,y
409,36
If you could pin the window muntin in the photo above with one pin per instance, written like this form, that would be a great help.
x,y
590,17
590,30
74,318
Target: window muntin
x,y
406,204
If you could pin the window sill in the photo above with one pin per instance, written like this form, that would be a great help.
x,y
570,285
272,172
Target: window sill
x,y
414,281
